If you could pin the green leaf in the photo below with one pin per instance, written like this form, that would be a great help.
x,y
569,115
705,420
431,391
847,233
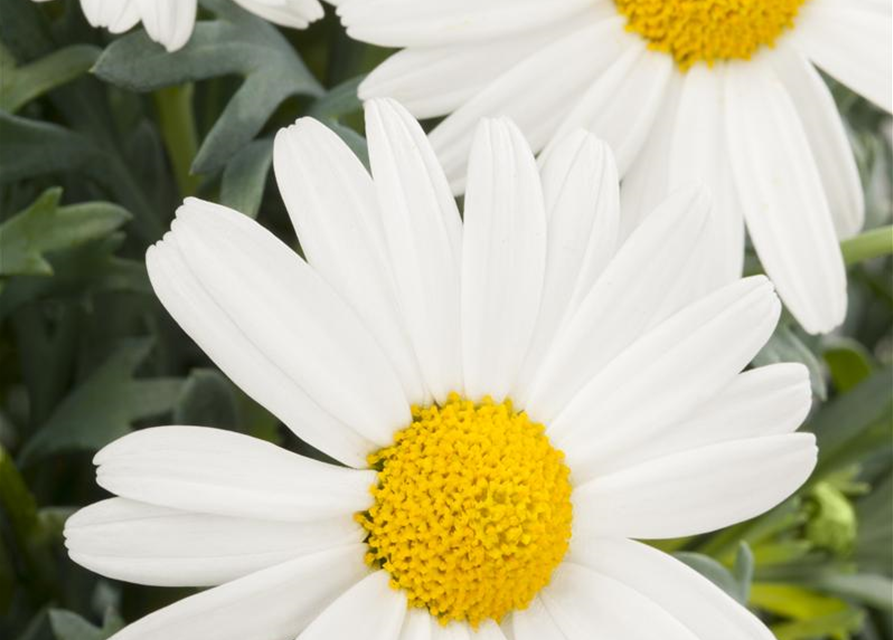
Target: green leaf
x,y
20,85
207,399
236,42
736,583
352,139
871,590
32,148
340,101
19,508
874,513
786,346
45,227
743,571
15,497
853,424
838,625
848,361
792,601
80,271
782,552
7,579
67,625
104,406
245,177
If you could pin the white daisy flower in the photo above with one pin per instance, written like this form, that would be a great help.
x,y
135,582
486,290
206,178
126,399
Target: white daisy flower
x,y
515,398
724,91
170,22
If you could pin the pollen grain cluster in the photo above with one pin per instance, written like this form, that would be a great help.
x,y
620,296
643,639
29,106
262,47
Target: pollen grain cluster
x,y
472,510
709,30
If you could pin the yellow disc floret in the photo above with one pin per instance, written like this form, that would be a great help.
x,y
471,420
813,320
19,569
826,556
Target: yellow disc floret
x,y
709,30
472,510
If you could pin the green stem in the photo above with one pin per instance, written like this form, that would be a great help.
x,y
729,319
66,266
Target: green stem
x,y
177,122
871,244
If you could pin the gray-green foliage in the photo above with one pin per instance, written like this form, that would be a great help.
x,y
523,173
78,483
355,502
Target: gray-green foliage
x,y
46,227
236,42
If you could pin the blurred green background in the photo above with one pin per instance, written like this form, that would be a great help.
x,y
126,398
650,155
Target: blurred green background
x,y
101,138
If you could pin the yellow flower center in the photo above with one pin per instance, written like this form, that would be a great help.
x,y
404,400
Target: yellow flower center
x,y
709,30
472,510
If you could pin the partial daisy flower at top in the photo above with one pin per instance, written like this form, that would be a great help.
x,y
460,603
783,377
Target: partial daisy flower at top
x,y
515,398
723,91
170,22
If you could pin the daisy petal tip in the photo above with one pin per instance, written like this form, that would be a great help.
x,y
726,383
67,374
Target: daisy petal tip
x,y
367,90
595,144
303,126
826,320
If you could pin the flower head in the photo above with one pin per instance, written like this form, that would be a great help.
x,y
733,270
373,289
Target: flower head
x,y
720,91
515,395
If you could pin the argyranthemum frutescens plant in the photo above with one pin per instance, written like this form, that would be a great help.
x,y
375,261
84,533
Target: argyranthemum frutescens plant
x,y
170,22
516,398
723,91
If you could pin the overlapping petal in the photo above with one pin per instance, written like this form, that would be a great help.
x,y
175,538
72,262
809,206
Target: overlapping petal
x,y
273,604
226,473
503,259
780,189
148,544
370,609
423,240
310,361
692,600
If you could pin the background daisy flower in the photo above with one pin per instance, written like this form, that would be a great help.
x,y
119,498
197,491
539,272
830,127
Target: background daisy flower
x,y
722,91
515,398
170,22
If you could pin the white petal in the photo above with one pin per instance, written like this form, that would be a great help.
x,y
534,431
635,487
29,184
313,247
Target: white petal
x,y
666,374
423,240
117,16
146,544
227,473
488,630
370,610
581,57
646,183
402,23
698,153
169,22
535,623
679,590
621,105
278,330
273,604
587,605
433,81
331,200
417,625
827,139
647,281
695,491
580,189
503,259
782,197
852,41
771,400
453,631
288,13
